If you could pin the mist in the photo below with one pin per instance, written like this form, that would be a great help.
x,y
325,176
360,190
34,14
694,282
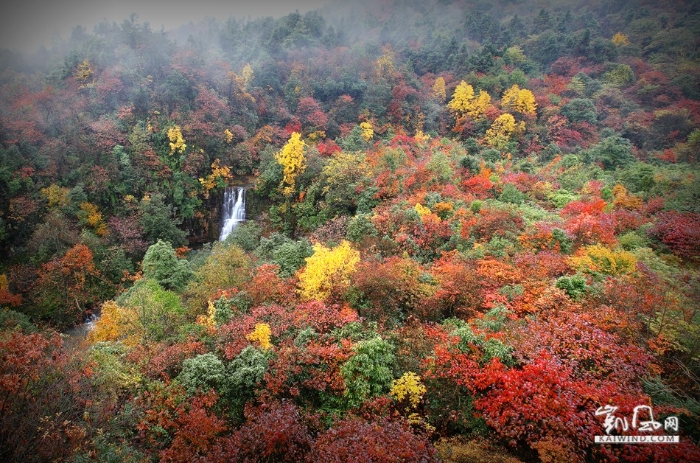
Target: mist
x,y
33,24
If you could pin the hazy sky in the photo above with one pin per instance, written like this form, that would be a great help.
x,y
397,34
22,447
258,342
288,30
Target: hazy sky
x,y
30,23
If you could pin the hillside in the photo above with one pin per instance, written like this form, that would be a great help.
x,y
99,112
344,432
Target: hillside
x,y
473,234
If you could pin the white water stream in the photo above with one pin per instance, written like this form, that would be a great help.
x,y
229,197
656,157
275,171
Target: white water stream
x,y
233,210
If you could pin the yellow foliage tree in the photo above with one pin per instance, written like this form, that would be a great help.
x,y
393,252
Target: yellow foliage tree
x,y
228,136
501,131
177,143
247,75
623,199
597,259
92,217
462,98
464,102
408,386
620,39
262,335
520,100
327,270
367,131
84,73
55,195
384,66
218,177
117,324
479,104
439,89
208,320
293,162
421,210
421,137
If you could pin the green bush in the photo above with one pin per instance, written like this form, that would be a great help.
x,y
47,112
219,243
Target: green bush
x,y
575,286
162,265
202,373
368,372
360,227
246,236
511,195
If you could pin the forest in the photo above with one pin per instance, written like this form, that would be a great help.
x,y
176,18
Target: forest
x,y
472,235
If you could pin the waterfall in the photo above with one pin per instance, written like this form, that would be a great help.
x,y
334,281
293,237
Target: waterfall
x,y
233,210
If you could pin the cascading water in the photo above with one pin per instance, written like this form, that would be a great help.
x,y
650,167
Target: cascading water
x,y
233,210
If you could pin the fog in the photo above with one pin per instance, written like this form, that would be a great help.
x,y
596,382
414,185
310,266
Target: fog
x,y
34,23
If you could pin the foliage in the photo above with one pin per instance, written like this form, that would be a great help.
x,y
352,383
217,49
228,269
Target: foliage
x,y
158,221
408,387
226,267
353,439
162,265
177,143
516,262
501,131
461,98
613,152
597,259
145,312
575,286
293,162
367,372
518,99
367,131
261,335
327,271
203,373
679,231
342,177
66,286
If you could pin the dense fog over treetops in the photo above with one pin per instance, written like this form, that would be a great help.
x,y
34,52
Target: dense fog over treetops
x,y
464,231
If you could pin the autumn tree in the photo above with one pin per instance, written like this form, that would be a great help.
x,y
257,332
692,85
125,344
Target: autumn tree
x,y
293,162
84,74
367,131
328,271
439,89
43,412
461,98
501,131
67,286
519,100
353,439
620,39
162,265
225,268
177,142
145,313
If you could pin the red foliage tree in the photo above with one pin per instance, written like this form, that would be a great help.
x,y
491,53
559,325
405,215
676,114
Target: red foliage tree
x,y
587,229
42,398
267,286
355,440
67,285
680,231
311,114
459,293
496,222
272,432
389,288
